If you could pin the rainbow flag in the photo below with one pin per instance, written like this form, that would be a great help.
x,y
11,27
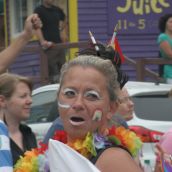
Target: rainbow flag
x,y
118,49
115,44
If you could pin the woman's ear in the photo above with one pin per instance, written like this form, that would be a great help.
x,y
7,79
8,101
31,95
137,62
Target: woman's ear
x,y
112,110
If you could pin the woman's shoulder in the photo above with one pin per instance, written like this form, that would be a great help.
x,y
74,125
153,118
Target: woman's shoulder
x,y
118,158
108,151
163,36
116,151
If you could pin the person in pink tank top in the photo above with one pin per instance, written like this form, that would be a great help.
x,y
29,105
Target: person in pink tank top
x,y
164,150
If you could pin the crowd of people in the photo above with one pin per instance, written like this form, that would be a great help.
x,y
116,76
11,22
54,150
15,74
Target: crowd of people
x,y
89,87
93,103
90,106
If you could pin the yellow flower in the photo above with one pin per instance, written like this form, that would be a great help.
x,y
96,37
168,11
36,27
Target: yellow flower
x,y
28,163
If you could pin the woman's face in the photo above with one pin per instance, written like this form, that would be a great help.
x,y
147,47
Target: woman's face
x,y
19,104
169,24
82,95
125,104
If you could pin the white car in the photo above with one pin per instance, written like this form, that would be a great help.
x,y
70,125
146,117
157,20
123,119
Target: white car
x,y
152,116
43,106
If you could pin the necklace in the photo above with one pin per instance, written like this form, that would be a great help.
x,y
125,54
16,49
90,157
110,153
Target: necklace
x,y
36,159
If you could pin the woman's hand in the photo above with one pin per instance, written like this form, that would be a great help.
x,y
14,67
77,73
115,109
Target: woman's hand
x,y
32,23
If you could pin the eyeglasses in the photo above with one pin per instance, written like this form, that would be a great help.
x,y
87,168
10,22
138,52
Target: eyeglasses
x,y
124,99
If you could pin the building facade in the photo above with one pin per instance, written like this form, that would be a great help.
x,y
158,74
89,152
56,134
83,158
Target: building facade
x,y
137,24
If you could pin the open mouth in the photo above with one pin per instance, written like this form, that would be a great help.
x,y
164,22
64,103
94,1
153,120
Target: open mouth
x,y
77,121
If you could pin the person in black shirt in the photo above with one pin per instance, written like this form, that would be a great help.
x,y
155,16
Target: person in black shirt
x,y
53,32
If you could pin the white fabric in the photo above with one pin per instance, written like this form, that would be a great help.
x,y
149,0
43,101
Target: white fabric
x,y
5,152
6,169
4,145
62,158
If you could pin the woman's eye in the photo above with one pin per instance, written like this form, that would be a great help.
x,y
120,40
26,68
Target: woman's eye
x,y
23,95
69,92
92,95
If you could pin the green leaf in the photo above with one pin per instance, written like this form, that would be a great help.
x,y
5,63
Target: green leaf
x,y
114,139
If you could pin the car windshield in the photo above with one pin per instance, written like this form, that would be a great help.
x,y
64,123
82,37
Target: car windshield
x,y
153,106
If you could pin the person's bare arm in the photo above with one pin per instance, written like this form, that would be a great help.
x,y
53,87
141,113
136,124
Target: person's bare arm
x,y
40,36
44,43
165,46
63,28
117,159
8,55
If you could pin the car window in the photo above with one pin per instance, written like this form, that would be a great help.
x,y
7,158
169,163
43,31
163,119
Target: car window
x,y
153,107
41,106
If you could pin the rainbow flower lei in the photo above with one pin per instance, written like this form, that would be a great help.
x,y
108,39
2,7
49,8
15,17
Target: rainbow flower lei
x,y
36,160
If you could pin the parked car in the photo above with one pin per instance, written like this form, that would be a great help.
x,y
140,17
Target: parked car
x,y
44,106
152,116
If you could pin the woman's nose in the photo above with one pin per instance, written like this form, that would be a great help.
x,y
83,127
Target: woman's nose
x,y
78,103
131,103
29,100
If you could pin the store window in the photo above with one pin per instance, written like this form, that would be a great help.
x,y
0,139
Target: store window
x,y
18,12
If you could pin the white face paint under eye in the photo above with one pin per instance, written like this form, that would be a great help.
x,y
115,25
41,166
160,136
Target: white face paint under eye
x,y
68,92
62,105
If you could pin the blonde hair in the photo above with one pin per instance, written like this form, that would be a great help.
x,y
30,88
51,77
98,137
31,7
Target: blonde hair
x,y
103,66
9,81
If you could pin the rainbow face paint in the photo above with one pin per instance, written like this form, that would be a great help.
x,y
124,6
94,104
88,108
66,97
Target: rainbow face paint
x,y
97,115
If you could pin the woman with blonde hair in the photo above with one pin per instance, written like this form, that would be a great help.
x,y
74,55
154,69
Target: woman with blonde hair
x,y
86,102
15,104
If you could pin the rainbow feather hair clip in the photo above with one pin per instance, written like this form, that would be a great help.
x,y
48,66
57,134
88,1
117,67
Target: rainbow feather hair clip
x,y
112,51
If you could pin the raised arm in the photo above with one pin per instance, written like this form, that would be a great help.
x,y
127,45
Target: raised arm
x,y
8,55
